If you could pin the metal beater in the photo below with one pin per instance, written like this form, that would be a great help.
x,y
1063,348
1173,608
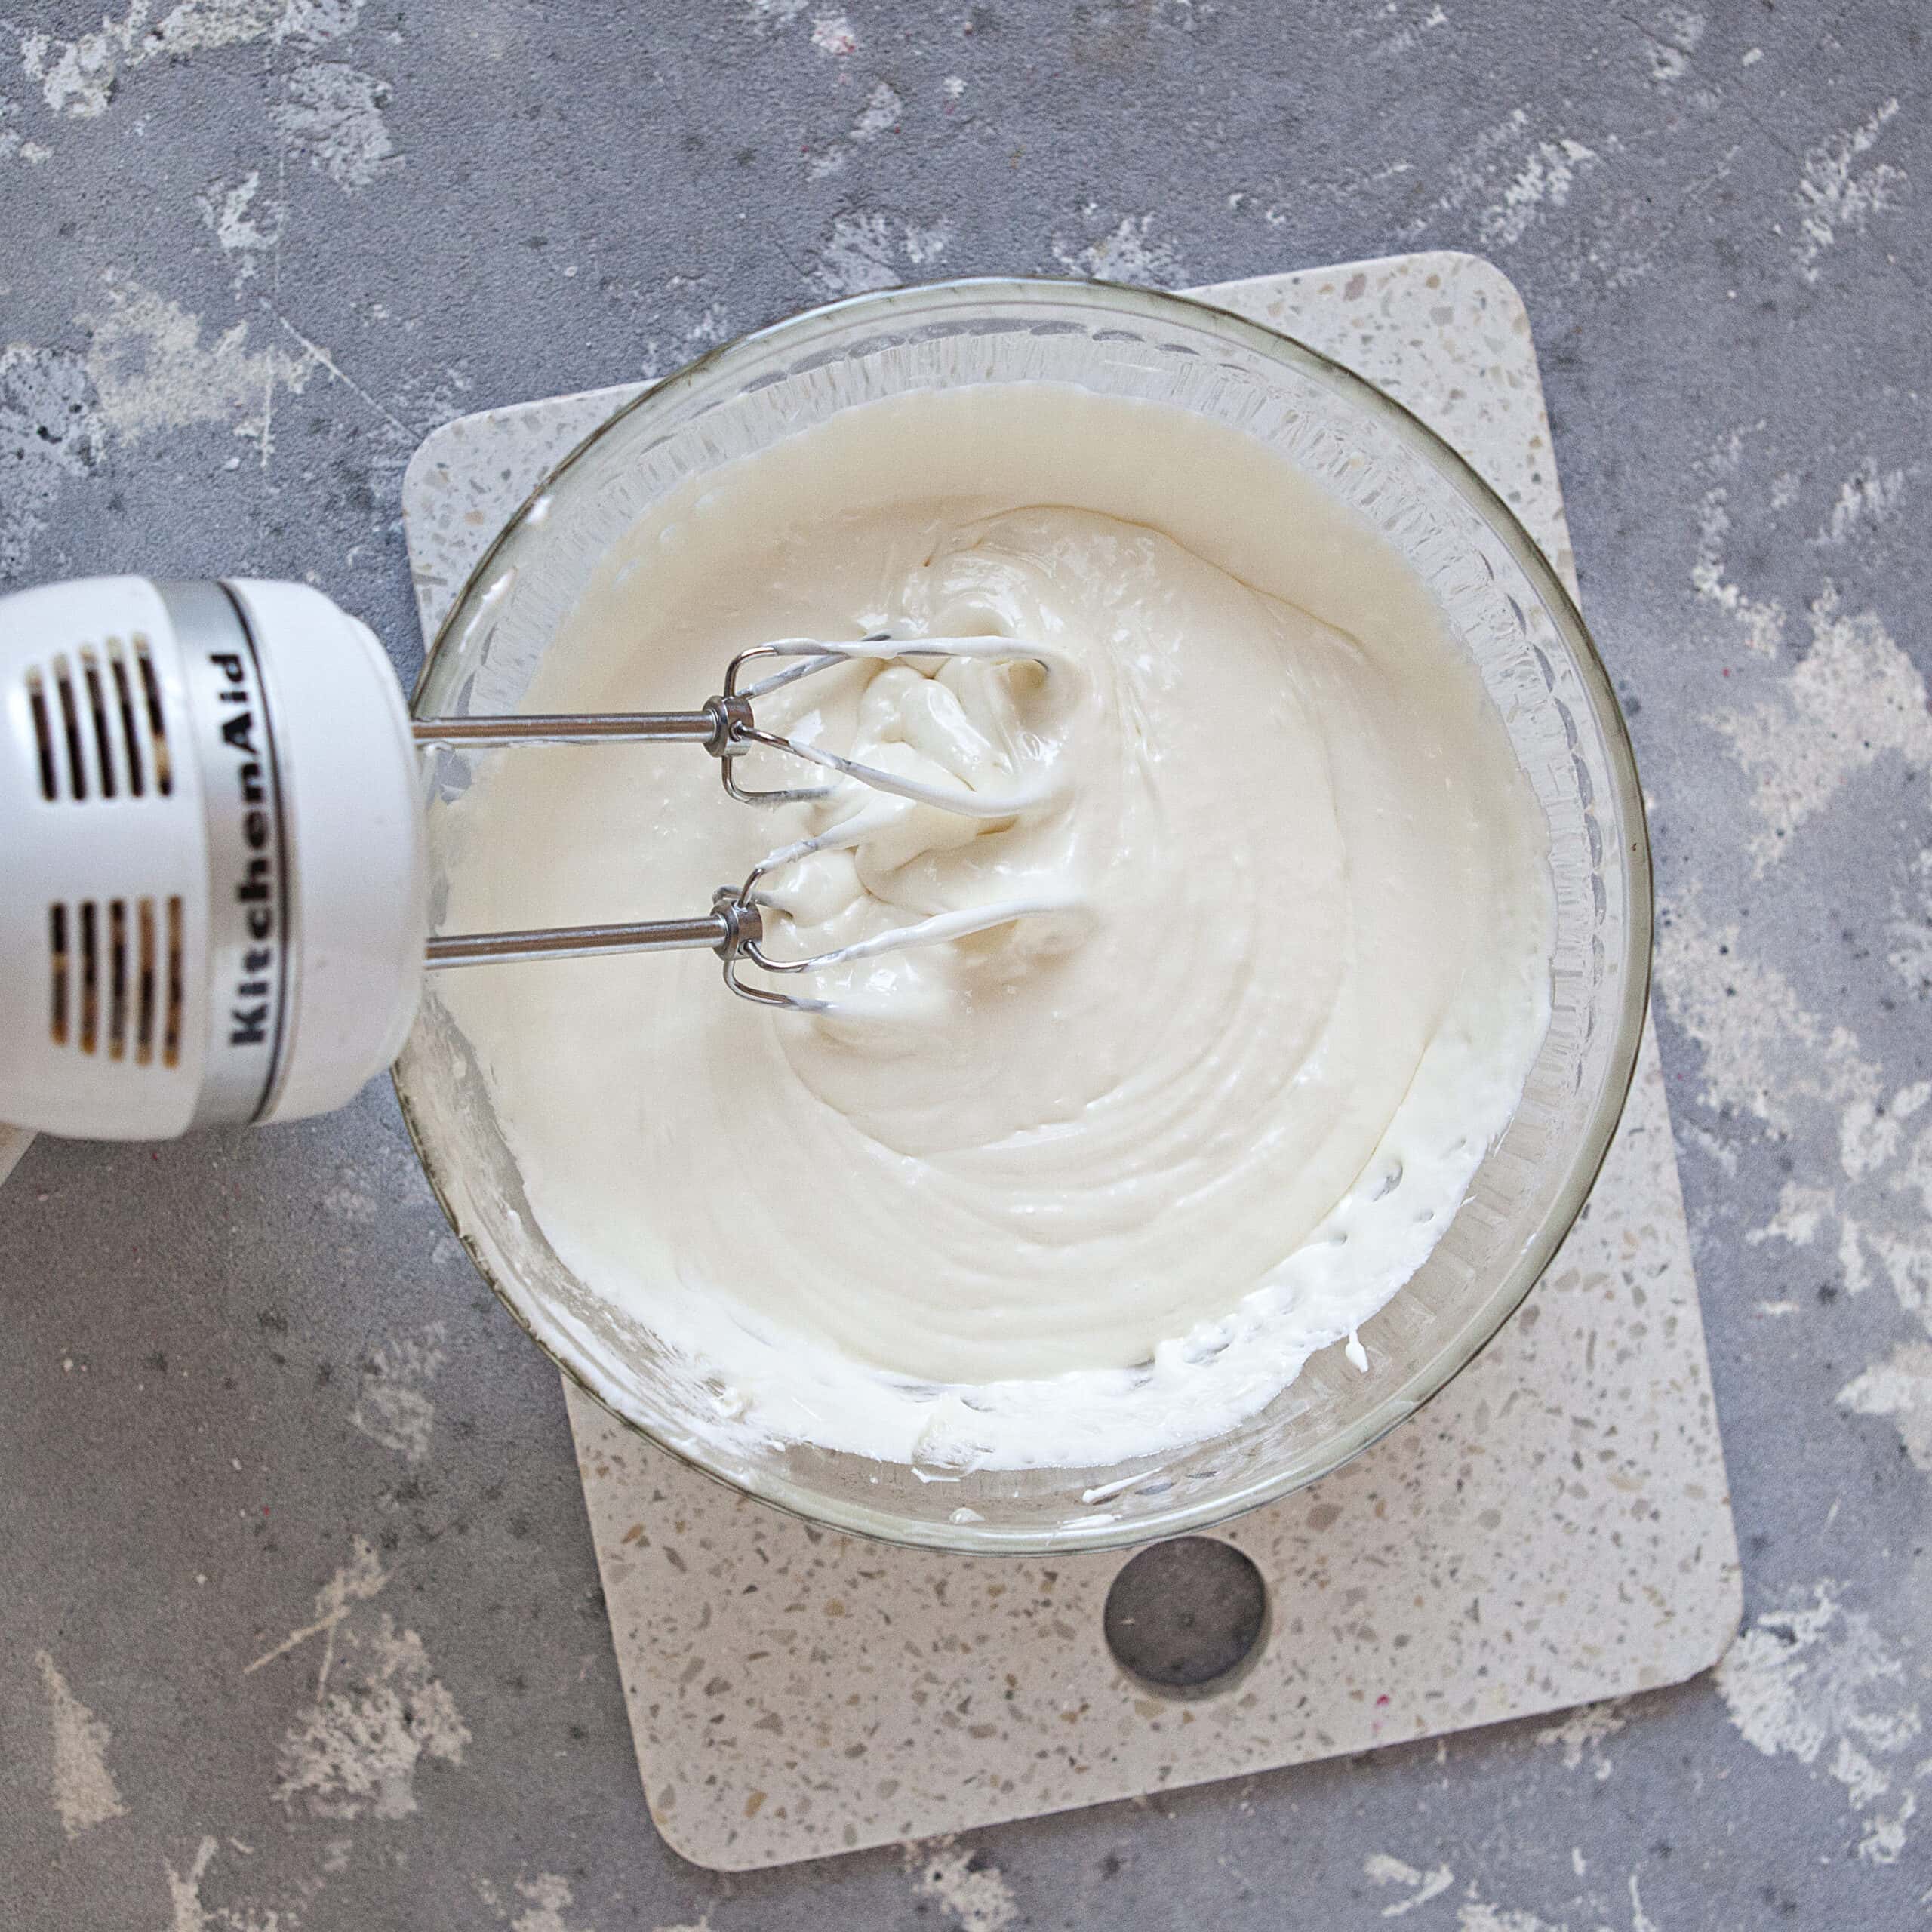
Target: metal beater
x,y
727,727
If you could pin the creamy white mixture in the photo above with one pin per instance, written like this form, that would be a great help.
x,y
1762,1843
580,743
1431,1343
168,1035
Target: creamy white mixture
x,y
1096,1183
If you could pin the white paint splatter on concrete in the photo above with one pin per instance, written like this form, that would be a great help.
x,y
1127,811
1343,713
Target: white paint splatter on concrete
x,y
1468,177
1868,500
184,1891
1765,1054
313,23
1851,1259
1479,1916
345,1202
868,251
883,109
329,111
1853,698
765,14
1839,193
83,1790
1713,1146
1382,1869
1585,1729
1393,45
360,1578
1887,1210
1762,618
1767,1057
1513,181
50,431
356,1748
392,1407
1679,33
1854,701
1904,1248
971,1890
1475,1913
332,114
927,243
245,229
712,328
1544,180
1900,1387
1127,252
13,145
152,370
832,36
858,256
548,1896
1819,1685
1910,929
78,77
1869,1135
880,115
190,1912
1884,1838
1801,1208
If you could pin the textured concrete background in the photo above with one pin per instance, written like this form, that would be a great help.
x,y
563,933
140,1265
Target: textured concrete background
x,y
254,248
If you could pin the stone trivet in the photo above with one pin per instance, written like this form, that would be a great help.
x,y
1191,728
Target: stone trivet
x,y
1554,1528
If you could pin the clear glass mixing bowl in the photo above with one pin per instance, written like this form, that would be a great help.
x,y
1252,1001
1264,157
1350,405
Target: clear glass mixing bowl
x,y
1503,603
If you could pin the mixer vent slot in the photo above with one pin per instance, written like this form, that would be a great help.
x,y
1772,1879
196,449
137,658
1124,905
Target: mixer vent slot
x,y
89,975
123,705
100,727
164,765
43,733
144,986
171,1047
103,726
116,978
70,729
56,946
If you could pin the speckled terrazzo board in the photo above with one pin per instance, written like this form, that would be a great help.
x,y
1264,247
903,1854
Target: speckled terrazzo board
x,y
1553,1530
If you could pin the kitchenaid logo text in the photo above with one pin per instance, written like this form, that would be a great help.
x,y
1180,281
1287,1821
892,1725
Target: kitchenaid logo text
x,y
257,891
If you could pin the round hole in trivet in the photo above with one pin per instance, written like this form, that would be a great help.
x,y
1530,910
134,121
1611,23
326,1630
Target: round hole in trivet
x,y
1182,1617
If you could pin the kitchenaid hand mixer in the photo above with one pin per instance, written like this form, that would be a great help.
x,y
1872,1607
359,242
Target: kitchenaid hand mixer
x,y
213,896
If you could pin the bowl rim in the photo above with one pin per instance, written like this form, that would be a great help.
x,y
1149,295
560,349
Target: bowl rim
x,y
815,1507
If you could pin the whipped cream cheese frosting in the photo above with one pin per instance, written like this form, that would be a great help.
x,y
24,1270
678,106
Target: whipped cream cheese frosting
x,y
1096,1183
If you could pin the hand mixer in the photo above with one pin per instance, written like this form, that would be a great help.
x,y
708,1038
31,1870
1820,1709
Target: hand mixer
x,y
213,863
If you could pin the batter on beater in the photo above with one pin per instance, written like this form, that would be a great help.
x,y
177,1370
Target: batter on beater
x,y
1096,1183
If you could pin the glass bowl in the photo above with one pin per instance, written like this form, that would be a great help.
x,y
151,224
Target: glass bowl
x,y
1504,604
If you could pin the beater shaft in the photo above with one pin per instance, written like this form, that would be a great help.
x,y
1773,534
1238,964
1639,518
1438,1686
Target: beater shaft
x,y
728,926
706,728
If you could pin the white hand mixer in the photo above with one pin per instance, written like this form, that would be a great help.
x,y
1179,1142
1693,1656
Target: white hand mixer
x,y
213,864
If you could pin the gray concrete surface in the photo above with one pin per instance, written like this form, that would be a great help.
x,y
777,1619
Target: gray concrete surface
x,y
254,248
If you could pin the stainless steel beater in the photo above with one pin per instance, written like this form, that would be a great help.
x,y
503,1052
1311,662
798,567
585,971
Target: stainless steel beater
x,y
727,727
